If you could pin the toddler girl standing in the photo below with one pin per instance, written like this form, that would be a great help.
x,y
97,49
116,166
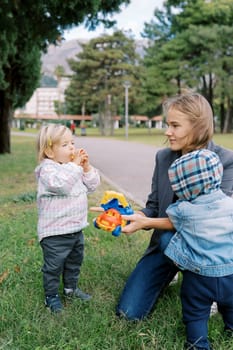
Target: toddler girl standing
x,y
64,177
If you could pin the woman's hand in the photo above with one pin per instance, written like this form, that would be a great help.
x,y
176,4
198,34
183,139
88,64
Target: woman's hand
x,y
137,222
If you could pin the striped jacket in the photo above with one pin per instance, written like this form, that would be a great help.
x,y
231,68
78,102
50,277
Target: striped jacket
x,y
62,197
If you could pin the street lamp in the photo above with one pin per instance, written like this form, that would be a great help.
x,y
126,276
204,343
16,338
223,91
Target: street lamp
x,y
126,86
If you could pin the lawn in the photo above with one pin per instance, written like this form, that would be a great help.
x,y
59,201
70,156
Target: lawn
x,y
152,136
25,324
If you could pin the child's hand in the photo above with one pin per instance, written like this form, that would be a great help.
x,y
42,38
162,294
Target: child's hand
x,y
76,157
81,158
85,161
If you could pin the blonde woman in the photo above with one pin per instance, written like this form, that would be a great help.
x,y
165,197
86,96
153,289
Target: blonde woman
x,y
189,119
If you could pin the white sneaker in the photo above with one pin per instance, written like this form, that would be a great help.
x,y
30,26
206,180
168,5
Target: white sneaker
x,y
175,279
214,309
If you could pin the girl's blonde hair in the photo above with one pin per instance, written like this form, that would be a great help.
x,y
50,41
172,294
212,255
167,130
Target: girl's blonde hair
x,y
199,112
49,135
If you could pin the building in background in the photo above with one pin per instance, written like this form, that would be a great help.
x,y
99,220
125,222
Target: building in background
x,y
43,101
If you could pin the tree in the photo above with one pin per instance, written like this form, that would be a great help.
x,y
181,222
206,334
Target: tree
x,y
26,30
161,74
99,73
59,72
209,52
197,54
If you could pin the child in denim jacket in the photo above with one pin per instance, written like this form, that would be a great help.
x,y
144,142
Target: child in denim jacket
x,y
203,243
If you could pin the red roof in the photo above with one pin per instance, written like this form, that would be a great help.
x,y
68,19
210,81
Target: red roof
x,y
53,116
157,118
57,117
75,117
142,118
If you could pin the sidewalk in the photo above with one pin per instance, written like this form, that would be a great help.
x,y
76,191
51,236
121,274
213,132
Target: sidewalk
x,y
126,166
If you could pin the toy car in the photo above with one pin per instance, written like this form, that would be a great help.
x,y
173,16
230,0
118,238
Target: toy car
x,y
110,221
114,205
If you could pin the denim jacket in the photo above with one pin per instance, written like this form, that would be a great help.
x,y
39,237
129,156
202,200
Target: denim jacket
x,y
203,242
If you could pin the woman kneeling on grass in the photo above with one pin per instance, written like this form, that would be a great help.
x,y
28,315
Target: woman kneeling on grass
x,y
205,258
64,177
189,118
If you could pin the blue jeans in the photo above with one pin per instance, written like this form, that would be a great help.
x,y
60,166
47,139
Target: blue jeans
x,y
164,240
143,287
197,295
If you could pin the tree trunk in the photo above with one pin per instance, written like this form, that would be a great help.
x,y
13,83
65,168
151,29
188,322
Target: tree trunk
x,y
222,112
178,81
108,117
229,129
228,119
105,119
107,123
210,91
5,121
101,122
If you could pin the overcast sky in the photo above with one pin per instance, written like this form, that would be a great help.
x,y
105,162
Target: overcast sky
x,y
131,17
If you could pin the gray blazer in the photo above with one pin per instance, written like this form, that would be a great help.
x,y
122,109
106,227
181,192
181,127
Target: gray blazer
x,y
162,196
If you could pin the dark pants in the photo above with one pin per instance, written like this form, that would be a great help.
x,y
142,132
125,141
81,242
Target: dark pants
x,y
197,295
145,284
63,255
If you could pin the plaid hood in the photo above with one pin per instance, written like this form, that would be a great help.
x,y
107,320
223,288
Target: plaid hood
x,y
195,173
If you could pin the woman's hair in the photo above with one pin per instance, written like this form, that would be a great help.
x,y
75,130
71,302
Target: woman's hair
x,y
199,112
49,135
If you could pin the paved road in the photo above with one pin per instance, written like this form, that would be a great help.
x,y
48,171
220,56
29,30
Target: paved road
x,y
127,166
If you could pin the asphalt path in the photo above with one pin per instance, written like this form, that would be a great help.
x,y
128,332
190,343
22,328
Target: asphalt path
x,y
126,166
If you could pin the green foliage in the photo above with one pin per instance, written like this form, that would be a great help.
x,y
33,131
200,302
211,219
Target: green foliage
x,y
160,64
25,31
99,74
193,51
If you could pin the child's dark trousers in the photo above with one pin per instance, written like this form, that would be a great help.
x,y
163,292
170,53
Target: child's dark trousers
x,y
63,256
197,295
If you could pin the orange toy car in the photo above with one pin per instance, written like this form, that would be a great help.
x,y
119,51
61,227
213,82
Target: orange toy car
x,y
114,205
110,221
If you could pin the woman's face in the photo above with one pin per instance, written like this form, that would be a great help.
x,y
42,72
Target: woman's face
x,y
179,130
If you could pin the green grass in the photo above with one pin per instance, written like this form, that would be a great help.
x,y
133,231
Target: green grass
x,y
25,324
152,136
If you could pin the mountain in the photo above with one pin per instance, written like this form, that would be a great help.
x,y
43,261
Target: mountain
x,y
58,55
